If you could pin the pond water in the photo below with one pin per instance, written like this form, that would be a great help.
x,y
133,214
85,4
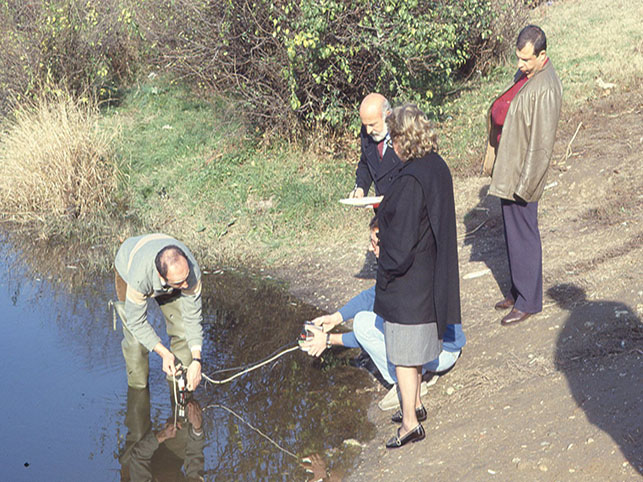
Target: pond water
x,y
68,413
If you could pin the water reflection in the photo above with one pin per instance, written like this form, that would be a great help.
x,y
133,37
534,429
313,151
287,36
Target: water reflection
x,y
302,405
172,452
62,379
316,466
72,417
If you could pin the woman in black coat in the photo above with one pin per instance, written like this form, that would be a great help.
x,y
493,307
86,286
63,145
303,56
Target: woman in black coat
x,y
417,290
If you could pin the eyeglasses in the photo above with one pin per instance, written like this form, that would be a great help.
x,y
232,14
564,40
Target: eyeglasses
x,y
175,284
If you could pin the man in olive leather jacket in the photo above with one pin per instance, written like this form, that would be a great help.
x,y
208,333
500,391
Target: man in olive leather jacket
x,y
523,123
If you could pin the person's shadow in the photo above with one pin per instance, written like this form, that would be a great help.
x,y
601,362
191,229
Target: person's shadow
x,y
485,234
599,351
369,268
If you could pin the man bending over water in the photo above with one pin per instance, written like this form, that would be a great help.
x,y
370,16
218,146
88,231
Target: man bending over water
x,y
160,267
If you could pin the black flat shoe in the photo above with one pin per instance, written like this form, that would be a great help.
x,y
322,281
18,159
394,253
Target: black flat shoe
x,y
420,413
414,435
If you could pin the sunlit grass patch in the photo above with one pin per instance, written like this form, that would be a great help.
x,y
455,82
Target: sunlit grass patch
x,y
195,169
594,44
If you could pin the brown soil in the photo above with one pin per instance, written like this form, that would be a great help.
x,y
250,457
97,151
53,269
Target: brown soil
x,y
560,396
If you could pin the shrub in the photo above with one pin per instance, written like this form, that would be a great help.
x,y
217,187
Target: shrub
x,y
55,161
92,45
310,62
292,65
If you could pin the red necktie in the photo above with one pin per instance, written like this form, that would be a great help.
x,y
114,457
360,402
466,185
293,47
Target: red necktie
x,y
380,148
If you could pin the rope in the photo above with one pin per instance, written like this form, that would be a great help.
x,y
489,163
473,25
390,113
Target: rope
x,y
287,452
248,370
243,367
236,375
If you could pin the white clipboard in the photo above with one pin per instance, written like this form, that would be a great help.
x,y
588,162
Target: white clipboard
x,y
362,202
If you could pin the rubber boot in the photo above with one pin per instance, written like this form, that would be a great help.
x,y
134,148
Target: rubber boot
x,y
137,360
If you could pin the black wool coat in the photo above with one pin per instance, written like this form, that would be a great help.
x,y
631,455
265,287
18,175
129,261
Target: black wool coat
x,y
417,276
372,169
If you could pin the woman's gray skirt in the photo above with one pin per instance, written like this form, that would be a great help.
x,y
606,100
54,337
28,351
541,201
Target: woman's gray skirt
x,y
411,345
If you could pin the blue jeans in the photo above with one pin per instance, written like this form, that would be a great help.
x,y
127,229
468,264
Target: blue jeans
x,y
368,332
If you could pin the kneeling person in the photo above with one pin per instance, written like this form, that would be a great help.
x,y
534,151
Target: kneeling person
x,y
368,334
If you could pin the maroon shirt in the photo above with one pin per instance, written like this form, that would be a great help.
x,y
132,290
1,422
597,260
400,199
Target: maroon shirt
x,y
500,107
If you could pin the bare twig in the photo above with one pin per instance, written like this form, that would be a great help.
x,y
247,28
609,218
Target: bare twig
x,y
568,151
469,233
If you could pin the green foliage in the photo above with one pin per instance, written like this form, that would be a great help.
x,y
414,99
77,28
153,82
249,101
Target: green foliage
x,y
305,63
80,46
292,65
404,49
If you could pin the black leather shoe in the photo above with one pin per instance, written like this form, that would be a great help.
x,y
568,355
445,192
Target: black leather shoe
x,y
420,413
515,316
504,304
414,435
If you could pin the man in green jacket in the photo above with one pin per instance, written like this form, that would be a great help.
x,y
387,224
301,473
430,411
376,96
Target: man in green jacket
x,y
523,123
160,267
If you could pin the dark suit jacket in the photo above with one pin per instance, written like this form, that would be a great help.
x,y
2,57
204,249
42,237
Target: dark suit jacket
x,y
371,169
417,275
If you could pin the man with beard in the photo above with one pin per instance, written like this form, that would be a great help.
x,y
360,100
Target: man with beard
x,y
378,163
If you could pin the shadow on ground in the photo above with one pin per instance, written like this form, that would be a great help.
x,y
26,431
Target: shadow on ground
x,y
597,350
485,235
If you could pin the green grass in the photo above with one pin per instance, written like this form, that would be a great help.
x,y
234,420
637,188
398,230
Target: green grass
x,y
195,170
595,39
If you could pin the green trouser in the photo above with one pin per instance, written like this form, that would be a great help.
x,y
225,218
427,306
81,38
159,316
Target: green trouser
x,y
136,355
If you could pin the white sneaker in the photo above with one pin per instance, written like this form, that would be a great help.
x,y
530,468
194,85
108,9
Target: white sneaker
x,y
424,386
444,362
428,383
392,399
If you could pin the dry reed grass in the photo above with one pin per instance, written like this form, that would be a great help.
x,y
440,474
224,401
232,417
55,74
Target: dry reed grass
x,y
55,160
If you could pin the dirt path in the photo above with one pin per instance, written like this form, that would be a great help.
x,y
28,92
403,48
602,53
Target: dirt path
x,y
559,397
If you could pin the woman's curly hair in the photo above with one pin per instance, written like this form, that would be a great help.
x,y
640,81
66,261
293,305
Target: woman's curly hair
x,y
412,132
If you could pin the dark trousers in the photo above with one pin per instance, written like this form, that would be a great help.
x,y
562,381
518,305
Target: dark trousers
x,y
525,254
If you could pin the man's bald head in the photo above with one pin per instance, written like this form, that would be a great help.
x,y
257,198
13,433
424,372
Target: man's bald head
x,y
172,265
373,111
